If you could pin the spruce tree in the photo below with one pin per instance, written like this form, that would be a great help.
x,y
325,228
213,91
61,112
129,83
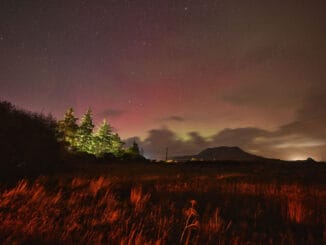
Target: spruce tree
x,y
103,139
117,145
67,129
85,141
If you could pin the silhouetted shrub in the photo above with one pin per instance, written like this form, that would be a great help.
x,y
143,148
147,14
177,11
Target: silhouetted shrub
x,y
126,156
79,158
27,141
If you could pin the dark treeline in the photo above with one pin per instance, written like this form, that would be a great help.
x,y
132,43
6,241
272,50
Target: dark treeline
x,y
31,143
28,141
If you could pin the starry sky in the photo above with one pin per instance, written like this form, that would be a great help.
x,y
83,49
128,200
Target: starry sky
x,y
180,74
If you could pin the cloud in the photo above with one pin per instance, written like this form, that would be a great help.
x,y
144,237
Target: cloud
x,y
281,143
173,119
158,140
310,118
243,137
113,112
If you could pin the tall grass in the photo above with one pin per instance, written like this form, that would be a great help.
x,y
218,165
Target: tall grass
x,y
171,210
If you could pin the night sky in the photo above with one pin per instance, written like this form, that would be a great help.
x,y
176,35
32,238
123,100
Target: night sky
x,y
180,74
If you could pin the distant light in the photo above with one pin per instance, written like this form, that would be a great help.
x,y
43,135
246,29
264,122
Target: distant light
x,y
297,158
314,143
170,161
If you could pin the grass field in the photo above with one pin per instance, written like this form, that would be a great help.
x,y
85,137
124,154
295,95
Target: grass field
x,y
168,204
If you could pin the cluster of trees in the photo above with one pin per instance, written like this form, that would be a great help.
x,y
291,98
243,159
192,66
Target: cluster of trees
x,y
83,138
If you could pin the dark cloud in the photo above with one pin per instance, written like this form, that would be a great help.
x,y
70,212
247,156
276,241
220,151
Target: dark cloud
x,y
243,137
310,120
113,112
158,139
173,119
262,89
287,142
305,135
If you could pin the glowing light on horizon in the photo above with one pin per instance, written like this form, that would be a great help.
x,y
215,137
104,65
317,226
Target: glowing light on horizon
x,y
301,144
297,157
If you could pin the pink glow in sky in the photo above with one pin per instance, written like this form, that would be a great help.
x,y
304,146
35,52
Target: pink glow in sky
x,y
174,66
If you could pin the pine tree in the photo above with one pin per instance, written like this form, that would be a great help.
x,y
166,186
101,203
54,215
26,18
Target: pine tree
x,y
85,142
67,128
117,145
103,139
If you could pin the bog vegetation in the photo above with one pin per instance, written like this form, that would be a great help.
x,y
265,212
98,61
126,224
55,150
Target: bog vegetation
x,y
162,209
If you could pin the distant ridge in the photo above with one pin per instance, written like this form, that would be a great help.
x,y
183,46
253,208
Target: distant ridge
x,y
222,153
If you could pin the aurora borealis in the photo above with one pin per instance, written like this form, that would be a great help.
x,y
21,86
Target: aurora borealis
x,y
180,74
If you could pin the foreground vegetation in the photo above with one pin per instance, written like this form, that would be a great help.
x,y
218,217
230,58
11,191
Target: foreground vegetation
x,y
149,203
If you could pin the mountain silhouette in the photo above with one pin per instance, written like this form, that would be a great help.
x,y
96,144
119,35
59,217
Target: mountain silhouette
x,y
223,153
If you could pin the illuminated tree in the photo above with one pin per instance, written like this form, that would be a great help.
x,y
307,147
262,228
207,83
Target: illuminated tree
x,y
103,139
117,145
85,142
82,138
67,128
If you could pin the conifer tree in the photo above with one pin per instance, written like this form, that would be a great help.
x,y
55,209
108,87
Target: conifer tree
x,y
103,139
117,145
67,128
85,141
